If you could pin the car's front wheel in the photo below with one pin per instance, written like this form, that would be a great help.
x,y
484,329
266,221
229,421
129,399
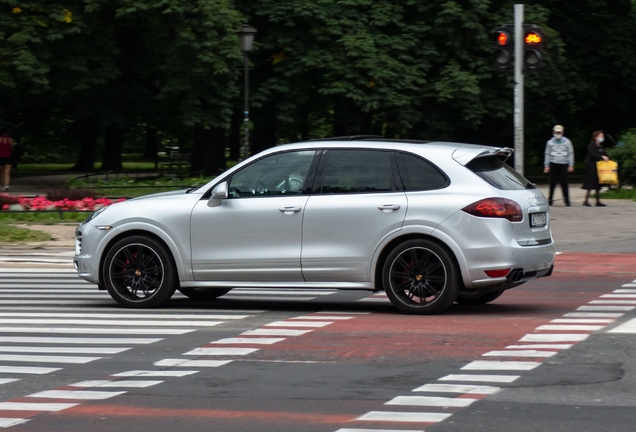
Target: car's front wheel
x,y
204,294
139,272
421,277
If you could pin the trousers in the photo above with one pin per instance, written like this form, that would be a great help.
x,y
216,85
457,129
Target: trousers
x,y
559,174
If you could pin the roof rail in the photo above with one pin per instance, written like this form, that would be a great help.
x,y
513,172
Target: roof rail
x,y
349,138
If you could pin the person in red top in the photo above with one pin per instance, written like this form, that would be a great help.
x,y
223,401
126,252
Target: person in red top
x,y
6,160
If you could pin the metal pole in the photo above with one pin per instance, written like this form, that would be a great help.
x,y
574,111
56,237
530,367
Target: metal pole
x,y
246,112
518,96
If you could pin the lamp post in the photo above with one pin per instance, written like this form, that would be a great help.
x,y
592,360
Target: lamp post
x,y
246,38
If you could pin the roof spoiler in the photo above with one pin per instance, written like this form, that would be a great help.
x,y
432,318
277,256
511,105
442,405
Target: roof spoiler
x,y
466,154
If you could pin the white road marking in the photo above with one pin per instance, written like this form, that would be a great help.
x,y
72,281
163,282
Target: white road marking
x,y
254,340
582,320
520,353
97,301
91,330
481,378
616,302
149,373
8,422
299,324
594,314
27,370
554,338
430,401
617,295
47,359
68,340
314,317
458,388
625,291
501,365
8,380
191,363
12,288
35,406
567,327
605,308
629,285
122,315
628,327
162,323
117,383
416,417
32,270
221,351
62,350
377,430
275,332
541,346
75,394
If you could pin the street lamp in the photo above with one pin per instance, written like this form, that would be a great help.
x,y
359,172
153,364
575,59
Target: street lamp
x,y
246,38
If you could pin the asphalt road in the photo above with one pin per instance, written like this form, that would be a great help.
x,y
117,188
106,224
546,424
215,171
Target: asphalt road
x,y
555,354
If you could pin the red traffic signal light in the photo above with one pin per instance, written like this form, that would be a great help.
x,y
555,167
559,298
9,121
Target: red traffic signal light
x,y
502,38
503,47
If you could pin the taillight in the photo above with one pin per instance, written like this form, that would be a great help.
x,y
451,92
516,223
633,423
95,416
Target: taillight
x,y
496,208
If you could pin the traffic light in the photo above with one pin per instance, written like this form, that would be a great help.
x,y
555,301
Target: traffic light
x,y
532,44
504,48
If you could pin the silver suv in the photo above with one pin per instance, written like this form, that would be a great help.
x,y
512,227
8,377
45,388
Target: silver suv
x,y
429,223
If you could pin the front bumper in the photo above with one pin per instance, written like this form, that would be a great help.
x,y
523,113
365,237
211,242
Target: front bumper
x,y
85,262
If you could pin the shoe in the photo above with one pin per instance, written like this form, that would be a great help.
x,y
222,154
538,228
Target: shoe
x,y
587,204
550,202
598,204
567,204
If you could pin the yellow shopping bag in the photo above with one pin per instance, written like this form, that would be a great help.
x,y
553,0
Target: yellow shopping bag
x,y
607,172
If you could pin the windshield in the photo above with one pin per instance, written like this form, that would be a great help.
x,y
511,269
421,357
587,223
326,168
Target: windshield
x,y
498,174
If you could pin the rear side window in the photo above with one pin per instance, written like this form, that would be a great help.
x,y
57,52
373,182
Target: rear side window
x,y
358,171
420,175
498,174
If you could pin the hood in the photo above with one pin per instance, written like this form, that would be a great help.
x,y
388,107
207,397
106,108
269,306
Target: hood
x,y
160,195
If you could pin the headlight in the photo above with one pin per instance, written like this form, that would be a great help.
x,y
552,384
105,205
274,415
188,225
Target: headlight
x,y
94,214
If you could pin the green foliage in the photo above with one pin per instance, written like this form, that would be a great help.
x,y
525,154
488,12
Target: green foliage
x,y
46,218
625,154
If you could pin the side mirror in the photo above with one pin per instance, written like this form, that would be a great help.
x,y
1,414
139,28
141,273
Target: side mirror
x,y
219,193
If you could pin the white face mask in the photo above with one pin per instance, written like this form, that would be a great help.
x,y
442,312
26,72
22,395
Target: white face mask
x,y
558,136
600,139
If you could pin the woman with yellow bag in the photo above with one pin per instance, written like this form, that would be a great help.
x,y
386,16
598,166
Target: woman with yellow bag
x,y
595,153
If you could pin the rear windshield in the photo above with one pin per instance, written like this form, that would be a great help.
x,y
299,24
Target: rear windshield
x,y
498,174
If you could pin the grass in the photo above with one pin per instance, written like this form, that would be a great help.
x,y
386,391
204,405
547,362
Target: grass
x,y
619,194
46,218
11,234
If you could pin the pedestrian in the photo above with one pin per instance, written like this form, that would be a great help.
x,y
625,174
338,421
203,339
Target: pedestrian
x,y
559,161
595,153
6,160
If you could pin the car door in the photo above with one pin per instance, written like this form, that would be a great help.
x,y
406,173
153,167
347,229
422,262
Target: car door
x,y
357,202
255,234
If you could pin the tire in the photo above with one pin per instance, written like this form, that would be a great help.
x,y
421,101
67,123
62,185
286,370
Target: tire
x,y
204,294
473,298
421,277
139,272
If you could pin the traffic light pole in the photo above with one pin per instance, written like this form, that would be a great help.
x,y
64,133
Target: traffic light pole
x,y
518,92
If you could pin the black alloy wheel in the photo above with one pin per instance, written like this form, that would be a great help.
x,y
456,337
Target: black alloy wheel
x,y
420,277
204,294
139,272
471,297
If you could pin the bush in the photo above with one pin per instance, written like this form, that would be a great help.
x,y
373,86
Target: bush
x,y
71,194
625,154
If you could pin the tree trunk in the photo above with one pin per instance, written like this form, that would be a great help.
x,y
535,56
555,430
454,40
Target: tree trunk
x,y
264,134
113,145
235,135
208,151
87,131
152,144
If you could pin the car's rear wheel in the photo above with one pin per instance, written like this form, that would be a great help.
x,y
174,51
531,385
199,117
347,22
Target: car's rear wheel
x,y
204,294
420,277
139,272
467,297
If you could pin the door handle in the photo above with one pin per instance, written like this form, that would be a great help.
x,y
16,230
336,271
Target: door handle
x,y
389,207
290,210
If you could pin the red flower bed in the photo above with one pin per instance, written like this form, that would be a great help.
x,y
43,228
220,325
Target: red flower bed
x,y
42,203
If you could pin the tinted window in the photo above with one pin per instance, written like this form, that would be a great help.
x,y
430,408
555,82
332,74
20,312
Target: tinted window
x,y
278,174
358,171
497,173
420,175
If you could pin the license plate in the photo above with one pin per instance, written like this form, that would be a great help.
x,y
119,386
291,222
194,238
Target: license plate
x,y
537,220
